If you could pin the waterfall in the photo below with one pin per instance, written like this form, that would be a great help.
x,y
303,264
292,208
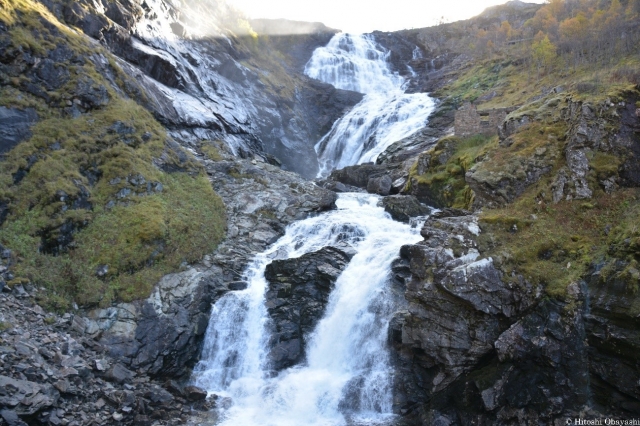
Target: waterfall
x,y
346,378
385,115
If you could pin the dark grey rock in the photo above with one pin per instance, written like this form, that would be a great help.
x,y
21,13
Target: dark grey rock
x,y
194,393
91,94
379,185
53,75
5,253
92,25
404,207
237,285
18,291
125,15
357,176
121,129
15,125
449,212
25,397
102,270
11,417
612,323
158,396
118,373
297,295
4,211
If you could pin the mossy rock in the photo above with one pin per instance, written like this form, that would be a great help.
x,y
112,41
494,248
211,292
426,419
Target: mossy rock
x,y
438,176
101,203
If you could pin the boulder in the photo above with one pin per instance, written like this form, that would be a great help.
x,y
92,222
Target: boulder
x,y
380,185
357,176
404,207
296,298
26,397
194,393
118,373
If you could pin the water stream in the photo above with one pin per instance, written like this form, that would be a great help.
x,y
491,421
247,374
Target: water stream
x,y
385,115
346,377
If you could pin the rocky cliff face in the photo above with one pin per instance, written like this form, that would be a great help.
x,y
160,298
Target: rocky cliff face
x,y
206,79
473,346
477,346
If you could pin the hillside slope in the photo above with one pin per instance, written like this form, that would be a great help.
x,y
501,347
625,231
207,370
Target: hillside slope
x,y
526,310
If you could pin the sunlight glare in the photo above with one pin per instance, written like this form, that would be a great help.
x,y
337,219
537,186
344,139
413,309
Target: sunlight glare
x,y
360,17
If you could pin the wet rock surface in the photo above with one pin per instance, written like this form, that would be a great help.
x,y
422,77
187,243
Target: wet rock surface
x,y
163,334
196,83
296,299
373,178
404,207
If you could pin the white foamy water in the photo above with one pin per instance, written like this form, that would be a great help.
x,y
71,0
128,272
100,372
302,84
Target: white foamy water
x,y
346,377
385,115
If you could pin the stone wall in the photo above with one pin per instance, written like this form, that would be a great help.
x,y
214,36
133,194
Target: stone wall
x,y
469,121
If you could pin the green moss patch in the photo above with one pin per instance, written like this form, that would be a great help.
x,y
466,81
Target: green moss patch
x,y
442,182
553,245
95,216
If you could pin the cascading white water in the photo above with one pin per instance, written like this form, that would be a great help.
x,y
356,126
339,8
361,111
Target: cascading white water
x,y
385,115
347,376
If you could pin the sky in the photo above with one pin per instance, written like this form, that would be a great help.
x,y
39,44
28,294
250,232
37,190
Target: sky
x,y
360,16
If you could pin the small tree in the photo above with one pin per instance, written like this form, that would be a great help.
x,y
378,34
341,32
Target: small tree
x,y
506,31
574,35
543,52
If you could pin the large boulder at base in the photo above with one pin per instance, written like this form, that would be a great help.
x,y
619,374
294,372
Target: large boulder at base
x,y
296,299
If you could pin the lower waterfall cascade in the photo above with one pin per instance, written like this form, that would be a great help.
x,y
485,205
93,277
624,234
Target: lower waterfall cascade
x,y
385,115
348,344
346,377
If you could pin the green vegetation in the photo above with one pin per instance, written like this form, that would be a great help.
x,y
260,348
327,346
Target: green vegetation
x,y
443,169
139,243
553,244
536,146
94,216
588,50
211,150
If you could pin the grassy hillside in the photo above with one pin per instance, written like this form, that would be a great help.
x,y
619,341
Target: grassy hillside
x,y
557,191
101,202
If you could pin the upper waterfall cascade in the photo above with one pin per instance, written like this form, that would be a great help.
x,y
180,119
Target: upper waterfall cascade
x,y
385,115
347,361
